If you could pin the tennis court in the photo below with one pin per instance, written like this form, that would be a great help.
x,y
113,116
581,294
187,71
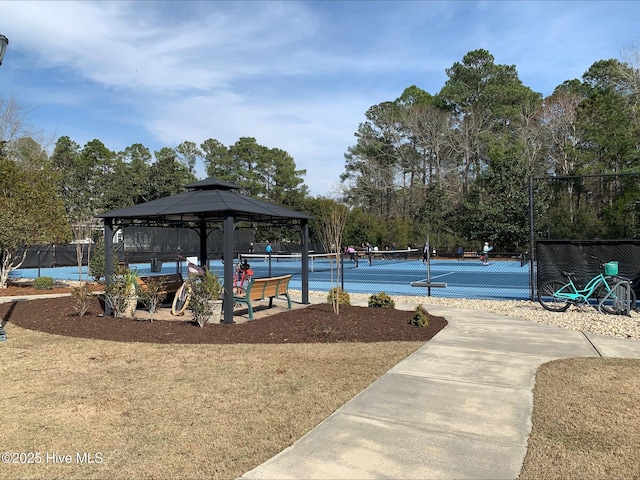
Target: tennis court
x,y
389,272
501,279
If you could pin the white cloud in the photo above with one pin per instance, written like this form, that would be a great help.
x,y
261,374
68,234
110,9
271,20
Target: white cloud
x,y
315,133
295,75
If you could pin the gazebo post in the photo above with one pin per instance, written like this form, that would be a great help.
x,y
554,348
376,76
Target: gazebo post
x,y
108,259
305,262
203,244
227,258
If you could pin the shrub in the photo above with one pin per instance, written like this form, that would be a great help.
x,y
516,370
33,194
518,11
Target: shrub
x,y
381,300
340,295
201,303
150,295
43,283
211,283
121,292
81,298
420,318
96,264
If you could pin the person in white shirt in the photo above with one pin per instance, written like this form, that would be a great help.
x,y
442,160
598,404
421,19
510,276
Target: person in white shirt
x,y
485,253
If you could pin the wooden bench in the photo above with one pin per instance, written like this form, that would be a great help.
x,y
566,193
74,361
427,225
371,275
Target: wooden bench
x,y
169,284
263,288
470,255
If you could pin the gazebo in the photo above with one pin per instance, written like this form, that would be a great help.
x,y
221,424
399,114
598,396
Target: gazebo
x,y
205,203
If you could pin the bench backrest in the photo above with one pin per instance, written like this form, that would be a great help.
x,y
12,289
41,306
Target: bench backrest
x,y
260,288
170,282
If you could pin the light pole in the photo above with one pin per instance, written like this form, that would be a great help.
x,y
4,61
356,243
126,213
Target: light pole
x,y
4,41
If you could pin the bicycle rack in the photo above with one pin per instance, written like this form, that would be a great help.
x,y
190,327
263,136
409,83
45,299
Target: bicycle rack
x,y
622,297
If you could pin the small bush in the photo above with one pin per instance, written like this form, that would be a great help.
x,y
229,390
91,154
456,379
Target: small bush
x,y
81,299
420,318
43,283
201,303
121,292
339,294
151,296
96,264
381,300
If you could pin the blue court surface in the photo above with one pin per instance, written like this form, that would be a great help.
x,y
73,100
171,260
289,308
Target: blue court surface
x,y
501,279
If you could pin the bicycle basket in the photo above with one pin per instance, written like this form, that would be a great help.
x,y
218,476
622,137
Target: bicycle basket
x,y
611,268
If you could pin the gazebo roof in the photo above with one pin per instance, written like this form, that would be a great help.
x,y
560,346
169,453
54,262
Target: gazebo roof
x,y
210,200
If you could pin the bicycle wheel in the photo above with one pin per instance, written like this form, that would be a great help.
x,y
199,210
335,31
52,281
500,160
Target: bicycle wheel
x,y
548,300
181,299
616,303
632,301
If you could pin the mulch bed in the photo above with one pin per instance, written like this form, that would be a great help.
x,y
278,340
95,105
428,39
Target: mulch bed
x,y
312,324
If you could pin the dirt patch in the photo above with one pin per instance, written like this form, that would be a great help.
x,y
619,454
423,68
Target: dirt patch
x,y
312,324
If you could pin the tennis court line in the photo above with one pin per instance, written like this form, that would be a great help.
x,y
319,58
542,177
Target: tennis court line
x,y
442,275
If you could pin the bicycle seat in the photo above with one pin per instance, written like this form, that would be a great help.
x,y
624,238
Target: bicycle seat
x,y
568,274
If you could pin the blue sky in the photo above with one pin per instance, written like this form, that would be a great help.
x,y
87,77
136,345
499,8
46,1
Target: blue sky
x,y
296,75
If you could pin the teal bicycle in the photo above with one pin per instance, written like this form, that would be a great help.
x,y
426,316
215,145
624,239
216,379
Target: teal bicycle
x,y
612,294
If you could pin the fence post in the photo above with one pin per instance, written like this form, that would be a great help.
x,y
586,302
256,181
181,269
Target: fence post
x,y
532,247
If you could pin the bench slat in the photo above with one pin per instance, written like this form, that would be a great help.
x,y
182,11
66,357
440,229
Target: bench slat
x,y
170,282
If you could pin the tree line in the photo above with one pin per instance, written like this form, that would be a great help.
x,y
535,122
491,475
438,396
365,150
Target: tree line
x,y
453,166
456,165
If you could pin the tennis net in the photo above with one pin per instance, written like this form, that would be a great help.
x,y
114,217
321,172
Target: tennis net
x,y
382,257
286,263
281,263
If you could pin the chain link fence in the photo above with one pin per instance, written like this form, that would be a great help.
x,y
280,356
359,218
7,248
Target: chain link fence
x,y
585,259
507,275
54,256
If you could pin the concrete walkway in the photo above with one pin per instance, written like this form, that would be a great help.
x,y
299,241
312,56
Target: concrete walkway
x,y
458,408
